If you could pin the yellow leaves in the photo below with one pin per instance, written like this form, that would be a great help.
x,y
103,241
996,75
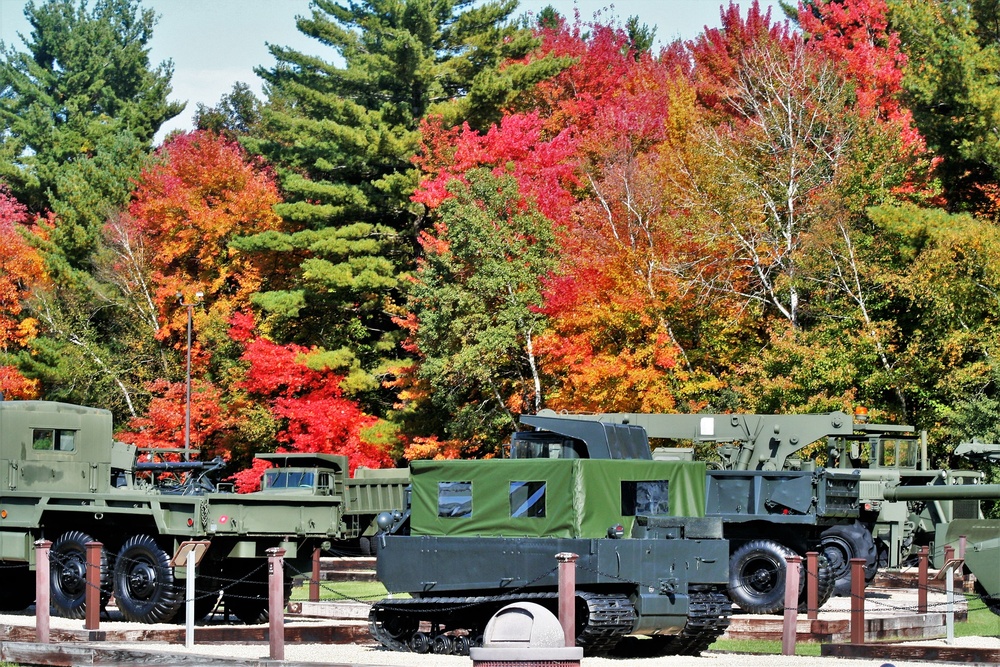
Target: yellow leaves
x,y
432,448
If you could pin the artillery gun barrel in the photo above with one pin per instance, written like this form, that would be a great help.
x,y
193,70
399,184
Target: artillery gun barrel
x,y
943,492
179,466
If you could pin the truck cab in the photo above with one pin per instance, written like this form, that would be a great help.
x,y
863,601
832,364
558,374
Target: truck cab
x,y
55,447
315,474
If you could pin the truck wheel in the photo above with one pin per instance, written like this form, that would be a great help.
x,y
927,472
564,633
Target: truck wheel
x,y
824,584
206,597
145,587
19,591
842,543
247,596
757,576
68,574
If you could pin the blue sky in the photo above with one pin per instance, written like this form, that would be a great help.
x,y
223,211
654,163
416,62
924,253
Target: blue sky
x,y
215,43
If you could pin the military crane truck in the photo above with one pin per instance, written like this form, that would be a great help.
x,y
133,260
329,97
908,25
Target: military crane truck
x,y
766,515
903,503
66,480
478,535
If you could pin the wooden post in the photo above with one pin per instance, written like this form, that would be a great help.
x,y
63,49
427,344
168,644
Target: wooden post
x,y
858,600
92,596
276,601
567,595
812,585
314,581
922,581
792,566
42,597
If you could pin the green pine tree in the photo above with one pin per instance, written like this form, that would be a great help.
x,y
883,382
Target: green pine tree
x,y
342,134
85,76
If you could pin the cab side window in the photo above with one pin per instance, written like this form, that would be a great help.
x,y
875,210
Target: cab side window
x,y
53,440
455,499
527,499
645,498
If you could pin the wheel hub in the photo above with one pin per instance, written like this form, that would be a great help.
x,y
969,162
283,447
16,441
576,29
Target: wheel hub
x,y
762,578
142,580
73,575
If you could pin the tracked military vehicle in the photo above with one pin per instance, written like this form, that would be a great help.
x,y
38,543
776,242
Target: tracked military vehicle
x,y
478,535
65,479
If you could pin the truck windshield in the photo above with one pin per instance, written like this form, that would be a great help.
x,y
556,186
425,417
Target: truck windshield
x,y
899,453
289,479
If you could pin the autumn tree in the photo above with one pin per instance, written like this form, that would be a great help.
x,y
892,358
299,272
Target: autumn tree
x,y
473,317
341,137
174,241
20,272
306,400
163,424
107,333
952,51
188,206
785,136
624,331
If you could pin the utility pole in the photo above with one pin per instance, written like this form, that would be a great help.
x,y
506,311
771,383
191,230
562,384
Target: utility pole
x,y
199,298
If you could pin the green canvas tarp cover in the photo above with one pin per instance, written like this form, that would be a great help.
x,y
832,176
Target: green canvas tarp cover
x,y
573,498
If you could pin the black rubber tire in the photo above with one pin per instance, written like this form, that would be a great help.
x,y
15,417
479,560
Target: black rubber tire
x,y
365,545
824,584
840,544
68,574
757,576
206,598
19,591
247,596
145,587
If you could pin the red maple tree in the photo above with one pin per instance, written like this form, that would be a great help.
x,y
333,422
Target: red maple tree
x,y
20,271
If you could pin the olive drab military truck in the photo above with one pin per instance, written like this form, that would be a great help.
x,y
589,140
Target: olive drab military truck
x,y
66,480
903,503
478,535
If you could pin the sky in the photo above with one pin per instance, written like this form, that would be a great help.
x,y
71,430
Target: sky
x,y
215,43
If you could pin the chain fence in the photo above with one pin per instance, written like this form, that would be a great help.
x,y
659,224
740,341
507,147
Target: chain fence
x,y
252,585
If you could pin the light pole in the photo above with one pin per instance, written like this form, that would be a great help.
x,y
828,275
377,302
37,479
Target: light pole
x,y
198,298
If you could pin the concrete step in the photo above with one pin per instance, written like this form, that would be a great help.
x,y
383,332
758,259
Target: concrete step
x,y
347,569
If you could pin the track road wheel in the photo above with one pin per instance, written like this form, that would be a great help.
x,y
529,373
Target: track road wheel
x,y
757,576
842,543
145,587
68,574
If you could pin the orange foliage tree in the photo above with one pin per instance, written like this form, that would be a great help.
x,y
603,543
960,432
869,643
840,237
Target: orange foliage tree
x,y
202,193
307,402
20,271
187,207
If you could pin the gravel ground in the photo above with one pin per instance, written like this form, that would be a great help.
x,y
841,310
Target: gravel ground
x,y
368,655
884,603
